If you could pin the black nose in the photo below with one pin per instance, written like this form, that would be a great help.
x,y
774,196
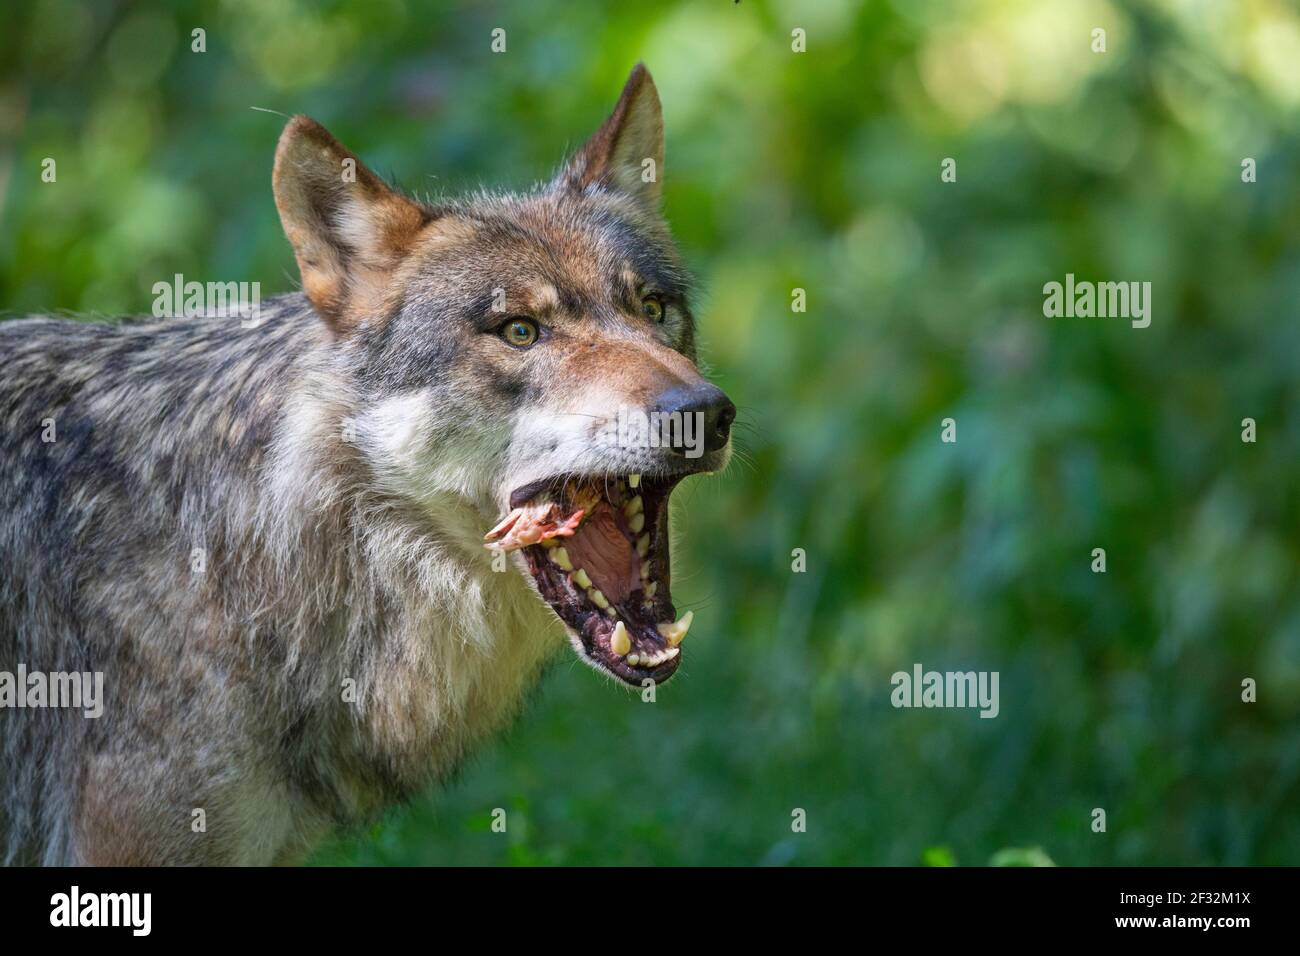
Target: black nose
x,y
709,409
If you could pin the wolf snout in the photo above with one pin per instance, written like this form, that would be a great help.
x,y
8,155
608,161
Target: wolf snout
x,y
706,404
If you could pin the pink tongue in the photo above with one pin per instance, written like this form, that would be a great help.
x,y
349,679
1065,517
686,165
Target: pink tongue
x,y
604,552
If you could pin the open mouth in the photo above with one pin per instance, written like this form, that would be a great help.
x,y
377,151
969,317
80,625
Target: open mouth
x,y
597,548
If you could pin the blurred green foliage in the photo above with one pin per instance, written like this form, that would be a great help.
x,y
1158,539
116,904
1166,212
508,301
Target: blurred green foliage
x,y
820,170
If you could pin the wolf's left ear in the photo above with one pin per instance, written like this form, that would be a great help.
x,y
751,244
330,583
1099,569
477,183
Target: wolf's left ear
x,y
348,229
627,152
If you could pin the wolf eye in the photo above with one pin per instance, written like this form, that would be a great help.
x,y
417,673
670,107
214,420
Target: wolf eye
x,y
653,308
520,333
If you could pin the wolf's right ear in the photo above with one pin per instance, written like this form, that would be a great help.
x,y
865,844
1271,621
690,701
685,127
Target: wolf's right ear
x,y
348,229
627,152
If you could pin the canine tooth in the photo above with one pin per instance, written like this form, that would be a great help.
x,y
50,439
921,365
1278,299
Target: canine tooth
x,y
633,507
674,633
580,579
598,599
561,557
643,545
645,570
633,480
620,642
637,522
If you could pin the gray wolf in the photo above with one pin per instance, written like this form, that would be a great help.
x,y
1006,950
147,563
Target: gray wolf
x,y
321,557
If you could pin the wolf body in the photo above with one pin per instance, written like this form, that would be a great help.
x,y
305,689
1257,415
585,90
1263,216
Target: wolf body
x,y
268,537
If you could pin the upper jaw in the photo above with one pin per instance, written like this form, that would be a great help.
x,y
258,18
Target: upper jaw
x,y
523,485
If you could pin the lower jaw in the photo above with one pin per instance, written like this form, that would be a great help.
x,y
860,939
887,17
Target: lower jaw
x,y
594,632
636,638
633,676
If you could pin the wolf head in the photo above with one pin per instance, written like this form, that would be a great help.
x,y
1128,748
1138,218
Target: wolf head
x,y
533,355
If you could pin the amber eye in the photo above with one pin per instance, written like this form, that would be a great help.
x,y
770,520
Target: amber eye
x,y
520,333
653,308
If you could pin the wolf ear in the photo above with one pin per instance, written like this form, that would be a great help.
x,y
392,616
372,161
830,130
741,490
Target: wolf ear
x,y
627,152
348,229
